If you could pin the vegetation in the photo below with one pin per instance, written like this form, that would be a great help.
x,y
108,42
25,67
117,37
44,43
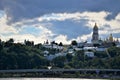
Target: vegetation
x,y
21,56
74,43
30,56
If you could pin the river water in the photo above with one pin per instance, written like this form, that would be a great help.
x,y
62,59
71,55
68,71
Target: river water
x,y
48,79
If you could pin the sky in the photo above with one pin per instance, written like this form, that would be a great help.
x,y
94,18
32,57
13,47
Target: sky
x,y
58,20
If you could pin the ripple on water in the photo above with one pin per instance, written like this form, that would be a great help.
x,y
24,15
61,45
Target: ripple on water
x,y
47,79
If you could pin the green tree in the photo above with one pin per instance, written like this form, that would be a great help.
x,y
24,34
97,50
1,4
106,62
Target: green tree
x,y
60,44
69,57
9,43
74,43
11,40
59,61
29,43
1,46
114,51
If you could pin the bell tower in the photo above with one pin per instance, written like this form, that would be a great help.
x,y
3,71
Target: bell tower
x,y
95,35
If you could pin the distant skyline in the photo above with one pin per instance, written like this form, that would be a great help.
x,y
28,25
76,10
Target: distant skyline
x,y
58,20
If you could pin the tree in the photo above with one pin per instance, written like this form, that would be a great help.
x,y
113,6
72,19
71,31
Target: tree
x,y
59,61
29,43
67,66
69,57
1,45
114,51
38,46
11,40
0,41
60,44
96,45
74,43
53,42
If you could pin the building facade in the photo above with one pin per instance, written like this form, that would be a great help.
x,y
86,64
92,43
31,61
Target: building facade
x,y
95,35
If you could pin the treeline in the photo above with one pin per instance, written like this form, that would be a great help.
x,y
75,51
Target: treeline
x,y
100,61
21,56
30,56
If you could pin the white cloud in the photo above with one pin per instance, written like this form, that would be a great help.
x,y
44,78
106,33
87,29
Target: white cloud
x,y
21,37
4,27
100,18
43,23
92,16
17,27
63,39
84,37
59,16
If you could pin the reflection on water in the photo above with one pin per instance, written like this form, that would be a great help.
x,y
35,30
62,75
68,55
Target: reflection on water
x,y
47,79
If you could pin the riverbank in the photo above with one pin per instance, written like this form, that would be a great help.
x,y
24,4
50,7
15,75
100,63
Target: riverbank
x,y
60,75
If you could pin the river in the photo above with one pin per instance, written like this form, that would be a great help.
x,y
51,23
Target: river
x,y
48,79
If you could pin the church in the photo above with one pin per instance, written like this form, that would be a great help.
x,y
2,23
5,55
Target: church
x,y
95,35
96,40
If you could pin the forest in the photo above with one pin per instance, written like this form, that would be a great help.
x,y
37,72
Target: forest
x,y
28,55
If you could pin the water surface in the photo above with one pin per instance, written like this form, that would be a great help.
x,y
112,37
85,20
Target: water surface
x,y
47,79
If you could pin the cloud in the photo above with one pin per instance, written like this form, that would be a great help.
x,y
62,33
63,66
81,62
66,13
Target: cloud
x,y
4,27
75,24
60,16
28,29
84,37
61,27
18,10
63,39
21,37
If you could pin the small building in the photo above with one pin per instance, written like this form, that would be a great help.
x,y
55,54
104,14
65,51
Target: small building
x,y
50,57
100,49
53,45
47,45
46,53
118,45
89,48
81,44
60,54
85,44
70,51
89,54
78,49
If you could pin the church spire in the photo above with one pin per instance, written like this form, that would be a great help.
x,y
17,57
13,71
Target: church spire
x,y
95,36
95,26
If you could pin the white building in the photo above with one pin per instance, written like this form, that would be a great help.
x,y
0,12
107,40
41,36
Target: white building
x,y
78,49
118,45
53,46
46,53
70,51
100,49
89,48
89,54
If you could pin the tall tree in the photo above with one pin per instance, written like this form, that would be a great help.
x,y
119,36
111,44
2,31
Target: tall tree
x,y
11,40
60,44
74,43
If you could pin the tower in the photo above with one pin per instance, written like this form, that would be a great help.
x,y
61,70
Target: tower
x,y
95,35
110,38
